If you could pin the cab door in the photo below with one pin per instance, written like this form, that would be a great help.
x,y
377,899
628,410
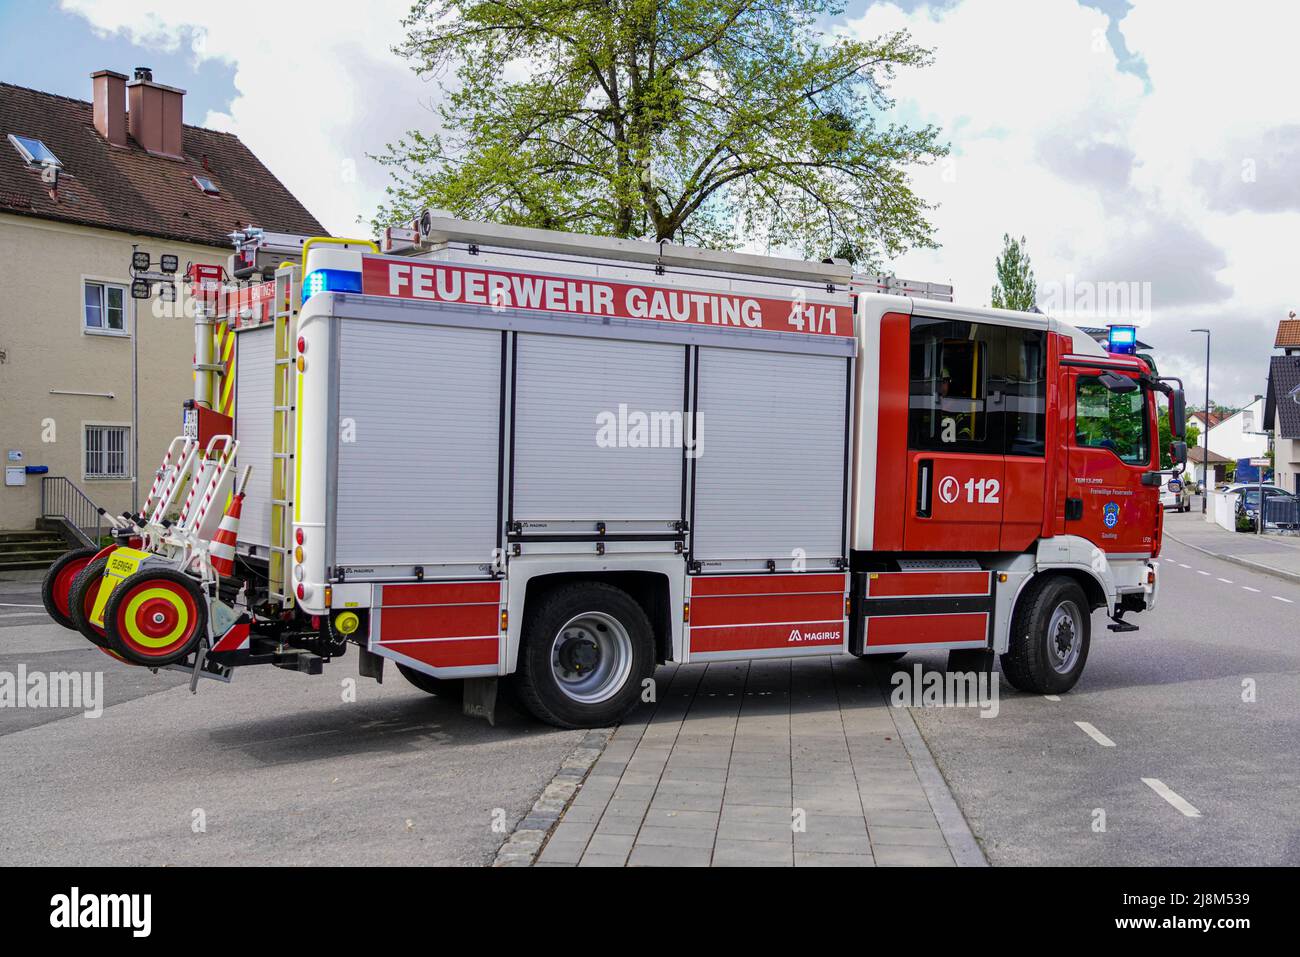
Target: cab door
x,y
1113,442
955,462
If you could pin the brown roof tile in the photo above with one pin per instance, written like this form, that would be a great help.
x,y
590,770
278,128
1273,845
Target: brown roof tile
x,y
1288,334
129,190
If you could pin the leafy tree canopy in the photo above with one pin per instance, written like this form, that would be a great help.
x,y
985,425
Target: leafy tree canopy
x,y
711,122
1016,288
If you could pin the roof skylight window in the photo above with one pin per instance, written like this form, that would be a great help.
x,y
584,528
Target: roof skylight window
x,y
33,151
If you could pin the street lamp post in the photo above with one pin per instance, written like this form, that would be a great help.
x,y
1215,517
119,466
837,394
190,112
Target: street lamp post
x,y
1205,454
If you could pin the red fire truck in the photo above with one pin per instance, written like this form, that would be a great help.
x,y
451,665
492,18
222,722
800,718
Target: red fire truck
x,y
488,452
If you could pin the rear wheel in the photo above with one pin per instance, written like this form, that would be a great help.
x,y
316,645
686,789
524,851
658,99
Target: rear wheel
x,y
450,688
56,589
81,601
586,650
1050,636
156,617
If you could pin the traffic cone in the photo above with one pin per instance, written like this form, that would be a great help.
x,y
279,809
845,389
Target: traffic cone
x,y
222,550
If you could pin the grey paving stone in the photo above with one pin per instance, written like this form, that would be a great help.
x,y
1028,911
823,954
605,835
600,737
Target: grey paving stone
x,y
569,831
686,802
672,818
755,813
910,855
926,836
762,831
563,852
618,825
603,860
758,791
692,773
834,843
728,853
877,818
606,843
649,855
851,824
676,836
814,859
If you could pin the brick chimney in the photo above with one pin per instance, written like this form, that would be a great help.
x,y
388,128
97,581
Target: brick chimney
x,y
110,105
154,119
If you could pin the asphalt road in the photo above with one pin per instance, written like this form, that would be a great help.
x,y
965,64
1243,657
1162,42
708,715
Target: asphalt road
x,y
276,767
1170,699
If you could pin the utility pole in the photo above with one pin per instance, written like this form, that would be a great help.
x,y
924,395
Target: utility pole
x,y
1205,455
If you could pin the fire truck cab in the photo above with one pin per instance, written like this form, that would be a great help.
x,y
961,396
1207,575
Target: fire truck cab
x,y
490,452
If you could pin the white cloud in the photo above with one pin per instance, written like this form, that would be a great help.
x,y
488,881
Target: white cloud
x,y
317,87
1110,180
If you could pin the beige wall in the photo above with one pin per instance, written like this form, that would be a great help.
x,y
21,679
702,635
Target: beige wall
x,y
45,347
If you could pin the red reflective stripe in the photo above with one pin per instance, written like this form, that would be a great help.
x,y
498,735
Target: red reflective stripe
x,y
234,639
766,584
449,654
926,629
438,621
440,593
811,634
760,609
910,584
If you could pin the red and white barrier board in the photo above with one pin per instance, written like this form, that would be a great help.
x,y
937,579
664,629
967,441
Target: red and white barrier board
x,y
439,625
744,615
924,609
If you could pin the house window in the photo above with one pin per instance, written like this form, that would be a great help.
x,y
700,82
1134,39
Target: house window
x,y
106,451
105,308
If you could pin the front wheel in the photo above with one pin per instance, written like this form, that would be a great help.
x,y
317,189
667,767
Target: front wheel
x,y
586,650
1050,636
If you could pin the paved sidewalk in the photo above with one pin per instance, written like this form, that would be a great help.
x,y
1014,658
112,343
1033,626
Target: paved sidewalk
x,y
775,763
1277,555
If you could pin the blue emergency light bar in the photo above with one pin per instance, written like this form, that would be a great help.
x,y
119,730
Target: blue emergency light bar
x,y
1123,340
330,280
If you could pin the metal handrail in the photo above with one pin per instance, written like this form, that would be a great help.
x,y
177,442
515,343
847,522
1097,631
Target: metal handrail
x,y
61,498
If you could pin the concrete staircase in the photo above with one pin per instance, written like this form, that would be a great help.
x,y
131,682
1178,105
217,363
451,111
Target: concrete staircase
x,y
29,549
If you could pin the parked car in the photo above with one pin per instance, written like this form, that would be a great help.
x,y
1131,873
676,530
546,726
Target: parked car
x,y
1175,494
1283,507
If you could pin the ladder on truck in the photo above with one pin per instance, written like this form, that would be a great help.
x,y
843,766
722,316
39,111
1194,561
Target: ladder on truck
x,y
284,315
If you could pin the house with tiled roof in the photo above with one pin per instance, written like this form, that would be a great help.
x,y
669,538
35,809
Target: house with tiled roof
x,y
1282,416
82,185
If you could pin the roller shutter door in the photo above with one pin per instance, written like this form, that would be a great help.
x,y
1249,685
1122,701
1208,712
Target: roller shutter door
x,y
254,385
567,469
770,474
417,484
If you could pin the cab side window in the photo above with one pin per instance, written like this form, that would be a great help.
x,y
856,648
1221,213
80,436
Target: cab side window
x,y
1112,420
977,388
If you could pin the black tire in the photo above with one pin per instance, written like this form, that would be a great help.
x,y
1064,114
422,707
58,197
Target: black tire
x,y
56,589
452,689
1031,664
191,619
81,599
588,613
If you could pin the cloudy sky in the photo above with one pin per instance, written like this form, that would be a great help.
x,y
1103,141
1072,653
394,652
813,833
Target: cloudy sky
x,y
1153,143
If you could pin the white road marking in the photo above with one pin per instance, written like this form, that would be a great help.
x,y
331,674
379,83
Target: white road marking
x,y
1199,572
1248,588
1051,697
9,604
1096,735
1287,600
1171,796
1226,581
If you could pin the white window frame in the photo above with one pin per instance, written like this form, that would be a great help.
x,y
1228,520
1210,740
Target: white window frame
x,y
89,476
104,283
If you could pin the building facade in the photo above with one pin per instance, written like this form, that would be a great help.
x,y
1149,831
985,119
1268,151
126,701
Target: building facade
x,y
82,186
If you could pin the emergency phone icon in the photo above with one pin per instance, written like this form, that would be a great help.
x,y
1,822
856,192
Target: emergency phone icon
x,y
949,489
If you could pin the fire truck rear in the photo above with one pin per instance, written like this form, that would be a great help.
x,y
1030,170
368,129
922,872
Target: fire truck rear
x,y
491,452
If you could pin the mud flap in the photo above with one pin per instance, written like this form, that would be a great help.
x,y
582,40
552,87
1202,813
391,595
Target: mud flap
x,y
480,699
370,665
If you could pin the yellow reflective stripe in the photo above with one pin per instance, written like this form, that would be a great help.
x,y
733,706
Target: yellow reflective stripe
x,y
133,606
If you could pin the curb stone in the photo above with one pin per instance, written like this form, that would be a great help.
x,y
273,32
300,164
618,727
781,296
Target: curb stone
x,y
526,841
1263,569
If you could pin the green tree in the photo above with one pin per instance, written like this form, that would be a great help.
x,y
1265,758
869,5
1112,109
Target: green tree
x,y
1015,288
713,122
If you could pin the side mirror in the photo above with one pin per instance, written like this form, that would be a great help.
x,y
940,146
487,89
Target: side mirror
x,y
1178,452
1178,415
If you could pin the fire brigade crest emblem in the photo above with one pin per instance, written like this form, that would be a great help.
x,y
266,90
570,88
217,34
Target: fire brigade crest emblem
x,y
1110,514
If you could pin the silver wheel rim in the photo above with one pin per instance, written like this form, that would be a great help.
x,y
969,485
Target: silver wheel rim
x,y
1064,637
591,657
